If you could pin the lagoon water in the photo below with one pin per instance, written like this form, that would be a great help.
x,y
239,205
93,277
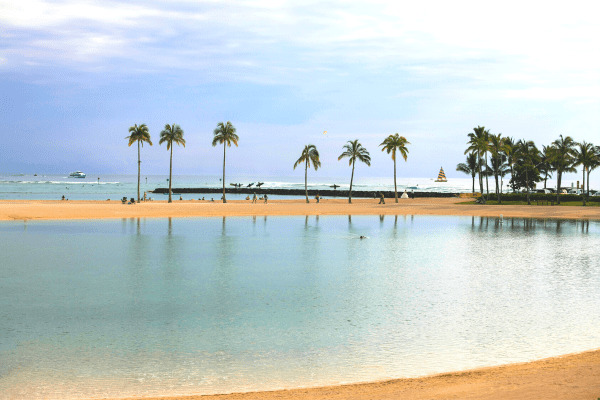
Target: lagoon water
x,y
117,308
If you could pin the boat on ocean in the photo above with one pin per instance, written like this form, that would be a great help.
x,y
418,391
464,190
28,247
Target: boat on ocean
x,y
77,174
441,176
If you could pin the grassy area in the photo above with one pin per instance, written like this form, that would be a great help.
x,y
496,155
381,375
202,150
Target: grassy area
x,y
537,202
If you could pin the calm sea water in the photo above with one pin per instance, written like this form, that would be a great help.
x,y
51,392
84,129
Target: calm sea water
x,y
113,308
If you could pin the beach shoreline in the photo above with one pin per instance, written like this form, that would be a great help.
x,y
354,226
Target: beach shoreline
x,y
573,376
92,209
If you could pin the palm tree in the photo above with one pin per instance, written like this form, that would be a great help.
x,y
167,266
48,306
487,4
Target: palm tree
x,y
510,144
354,151
561,158
225,134
171,134
586,157
478,143
140,135
529,157
391,144
497,148
499,167
470,167
594,165
545,166
309,154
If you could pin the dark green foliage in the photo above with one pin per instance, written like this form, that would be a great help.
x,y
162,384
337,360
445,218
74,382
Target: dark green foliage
x,y
518,181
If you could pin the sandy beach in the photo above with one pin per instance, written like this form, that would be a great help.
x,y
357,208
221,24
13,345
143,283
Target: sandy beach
x,y
575,376
86,209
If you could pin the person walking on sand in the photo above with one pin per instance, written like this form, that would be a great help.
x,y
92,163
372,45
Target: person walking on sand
x,y
254,198
318,197
382,200
266,198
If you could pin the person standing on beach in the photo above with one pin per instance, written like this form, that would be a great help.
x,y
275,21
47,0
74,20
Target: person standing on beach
x,y
254,198
382,200
266,198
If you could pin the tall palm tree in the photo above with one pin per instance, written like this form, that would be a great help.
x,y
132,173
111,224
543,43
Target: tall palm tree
x,y
499,168
529,156
498,149
140,135
171,134
510,144
594,165
561,158
471,167
309,154
478,144
355,151
391,144
545,166
586,157
225,134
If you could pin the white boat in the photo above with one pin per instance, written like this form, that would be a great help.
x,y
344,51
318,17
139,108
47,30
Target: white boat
x,y
77,174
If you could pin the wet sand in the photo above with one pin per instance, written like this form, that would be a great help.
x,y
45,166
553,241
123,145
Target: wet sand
x,y
86,209
574,376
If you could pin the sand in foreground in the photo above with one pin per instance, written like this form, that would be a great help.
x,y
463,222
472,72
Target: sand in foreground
x,y
574,377
86,209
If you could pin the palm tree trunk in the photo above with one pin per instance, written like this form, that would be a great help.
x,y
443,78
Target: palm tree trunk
x,y
487,187
139,171
351,179
497,189
512,175
224,147
583,185
527,184
473,176
395,186
558,186
481,185
588,183
306,180
171,174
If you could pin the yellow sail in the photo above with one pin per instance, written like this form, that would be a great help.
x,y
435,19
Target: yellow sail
x,y
441,176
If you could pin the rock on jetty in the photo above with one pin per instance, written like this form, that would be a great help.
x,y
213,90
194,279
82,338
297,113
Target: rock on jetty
x,y
300,192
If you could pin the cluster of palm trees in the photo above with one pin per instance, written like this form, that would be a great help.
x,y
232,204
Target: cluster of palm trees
x,y
225,134
354,151
507,156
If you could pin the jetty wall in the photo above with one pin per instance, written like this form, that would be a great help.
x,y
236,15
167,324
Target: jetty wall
x,y
300,192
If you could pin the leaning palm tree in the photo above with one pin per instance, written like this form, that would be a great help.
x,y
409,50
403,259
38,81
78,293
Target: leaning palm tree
x,y
309,154
140,135
470,167
479,144
586,157
225,134
355,151
529,156
561,158
171,134
391,144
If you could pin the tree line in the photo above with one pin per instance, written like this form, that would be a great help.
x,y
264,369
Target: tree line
x,y
225,134
525,162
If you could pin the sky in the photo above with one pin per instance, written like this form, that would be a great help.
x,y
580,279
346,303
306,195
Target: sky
x,y
75,75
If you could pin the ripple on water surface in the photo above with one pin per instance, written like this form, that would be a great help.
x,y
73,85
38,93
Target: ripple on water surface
x,y
211,305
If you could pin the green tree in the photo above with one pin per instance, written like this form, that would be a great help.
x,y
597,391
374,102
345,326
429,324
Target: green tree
x,y
470,167
355,151
225,135
392,144
545,165
510,143
498,149
309,154
561,157
479,144
171,134
528,156
499,167
586,157
139,134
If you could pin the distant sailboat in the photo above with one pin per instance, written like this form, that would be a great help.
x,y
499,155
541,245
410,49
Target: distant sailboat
x,y
441,176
